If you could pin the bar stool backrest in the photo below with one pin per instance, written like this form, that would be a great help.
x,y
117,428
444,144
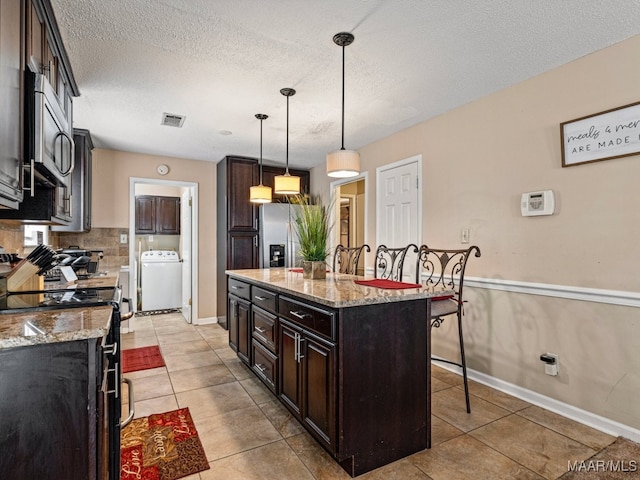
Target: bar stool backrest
x,y
390,261
345,259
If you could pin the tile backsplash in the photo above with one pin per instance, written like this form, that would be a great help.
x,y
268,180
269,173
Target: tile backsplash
x,y
105,239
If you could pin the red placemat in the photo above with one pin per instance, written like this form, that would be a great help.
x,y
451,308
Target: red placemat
x,y
141,358
388,284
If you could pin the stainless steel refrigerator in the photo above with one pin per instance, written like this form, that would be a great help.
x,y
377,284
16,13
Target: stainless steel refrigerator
x,y
278,240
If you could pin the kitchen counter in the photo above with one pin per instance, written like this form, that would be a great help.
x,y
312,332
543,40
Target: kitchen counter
x,y
338,290
108,280
50,326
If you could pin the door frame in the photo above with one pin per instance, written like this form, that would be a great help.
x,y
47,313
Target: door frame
x,y
133,294
334,214
390,166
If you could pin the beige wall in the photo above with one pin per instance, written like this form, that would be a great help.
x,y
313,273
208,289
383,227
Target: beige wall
x,y
477,160
111,173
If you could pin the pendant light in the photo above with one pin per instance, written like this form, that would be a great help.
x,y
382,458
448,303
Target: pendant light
x,y
343,163
287,184
260,193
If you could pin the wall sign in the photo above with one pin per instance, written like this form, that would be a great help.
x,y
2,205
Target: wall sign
x,y
610,134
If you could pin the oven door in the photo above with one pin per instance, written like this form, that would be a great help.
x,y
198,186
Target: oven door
x,y
53,145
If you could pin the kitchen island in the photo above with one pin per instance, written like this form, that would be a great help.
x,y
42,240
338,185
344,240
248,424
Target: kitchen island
x,y
349,361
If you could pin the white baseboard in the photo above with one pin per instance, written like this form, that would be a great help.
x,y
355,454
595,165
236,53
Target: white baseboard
x,y
592,420
206,321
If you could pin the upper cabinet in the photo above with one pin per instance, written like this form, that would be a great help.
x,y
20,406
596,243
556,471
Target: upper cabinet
x,y
157,215
11,99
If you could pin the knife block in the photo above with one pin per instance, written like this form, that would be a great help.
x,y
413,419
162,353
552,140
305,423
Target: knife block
x,y
24,277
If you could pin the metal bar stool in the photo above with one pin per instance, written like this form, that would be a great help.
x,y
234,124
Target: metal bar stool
x,y
345,259
389,262
440,268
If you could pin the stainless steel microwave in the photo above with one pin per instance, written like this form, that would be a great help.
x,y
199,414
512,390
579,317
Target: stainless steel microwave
x,y
50,137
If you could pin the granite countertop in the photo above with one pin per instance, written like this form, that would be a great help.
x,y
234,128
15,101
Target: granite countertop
x,y
106,280
338,290
50,326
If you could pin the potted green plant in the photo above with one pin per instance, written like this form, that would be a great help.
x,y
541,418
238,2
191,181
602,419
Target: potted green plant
x,y
312,226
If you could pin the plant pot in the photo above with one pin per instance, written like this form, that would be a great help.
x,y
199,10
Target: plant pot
x,y
314,270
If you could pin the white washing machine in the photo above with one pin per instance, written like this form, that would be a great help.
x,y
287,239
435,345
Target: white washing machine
x,y
161,280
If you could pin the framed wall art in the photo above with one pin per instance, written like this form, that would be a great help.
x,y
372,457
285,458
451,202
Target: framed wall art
x,y
610,134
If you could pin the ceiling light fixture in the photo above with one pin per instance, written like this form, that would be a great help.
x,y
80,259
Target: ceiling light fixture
x,y
260,193
287,184
343,163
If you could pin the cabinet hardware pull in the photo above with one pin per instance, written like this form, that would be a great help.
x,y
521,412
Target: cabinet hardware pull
x,y
259,329
295,346
261,367
132,410
299,315
236,287
258,297
111,349
115,372
300,355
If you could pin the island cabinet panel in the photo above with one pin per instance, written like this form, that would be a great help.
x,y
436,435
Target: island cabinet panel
x,y
239,326
355,376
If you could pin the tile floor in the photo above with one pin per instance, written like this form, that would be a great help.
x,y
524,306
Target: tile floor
x,y
248,435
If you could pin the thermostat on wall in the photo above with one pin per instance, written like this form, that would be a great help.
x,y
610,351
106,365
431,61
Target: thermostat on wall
x,y
537,203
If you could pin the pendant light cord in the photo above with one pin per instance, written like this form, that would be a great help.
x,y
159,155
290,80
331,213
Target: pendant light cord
x,y
261,151
287,169
342,148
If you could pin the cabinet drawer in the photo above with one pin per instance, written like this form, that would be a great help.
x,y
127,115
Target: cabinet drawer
x,y
239,289
264,327
314,319
265,365
264,299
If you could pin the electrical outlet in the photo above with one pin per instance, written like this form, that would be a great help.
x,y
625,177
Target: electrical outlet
x,y
150,238
464,235
551,363
123,238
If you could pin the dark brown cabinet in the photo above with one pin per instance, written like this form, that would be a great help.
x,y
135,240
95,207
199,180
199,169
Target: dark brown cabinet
x,y
11,92
55,418
307,382
157,215
239,308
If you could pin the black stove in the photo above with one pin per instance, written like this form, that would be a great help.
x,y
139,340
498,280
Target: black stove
x,y
56,299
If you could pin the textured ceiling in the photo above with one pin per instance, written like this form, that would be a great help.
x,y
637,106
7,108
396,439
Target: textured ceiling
x,y
219,62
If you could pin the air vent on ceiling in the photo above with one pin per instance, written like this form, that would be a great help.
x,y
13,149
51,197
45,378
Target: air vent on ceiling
x,y
172,120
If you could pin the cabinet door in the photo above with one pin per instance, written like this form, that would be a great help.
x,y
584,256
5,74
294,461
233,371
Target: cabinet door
x,y
241,175
319,388
242,250
145,214
11,81
244,333
269,174
168,215
238,321
289,372
232,321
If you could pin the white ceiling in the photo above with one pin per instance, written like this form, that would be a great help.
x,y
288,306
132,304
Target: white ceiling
x,y
219,62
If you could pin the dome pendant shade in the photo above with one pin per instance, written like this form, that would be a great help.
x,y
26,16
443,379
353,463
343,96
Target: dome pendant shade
x,y
343,163
260,193
287,184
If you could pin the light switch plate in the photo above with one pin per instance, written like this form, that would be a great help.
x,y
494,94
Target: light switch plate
x,y
123,238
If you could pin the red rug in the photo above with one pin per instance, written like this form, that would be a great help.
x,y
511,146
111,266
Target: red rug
x,y
163,446
141,358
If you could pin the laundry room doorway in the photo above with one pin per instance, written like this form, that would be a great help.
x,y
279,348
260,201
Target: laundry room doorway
x,y
163,247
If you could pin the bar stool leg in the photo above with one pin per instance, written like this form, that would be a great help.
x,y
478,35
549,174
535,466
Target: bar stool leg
x,y
464,364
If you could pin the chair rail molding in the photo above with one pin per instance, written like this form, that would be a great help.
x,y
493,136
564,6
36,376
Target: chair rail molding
x,y
613,297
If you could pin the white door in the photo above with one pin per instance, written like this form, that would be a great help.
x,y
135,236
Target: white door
x,y
398,211
185,252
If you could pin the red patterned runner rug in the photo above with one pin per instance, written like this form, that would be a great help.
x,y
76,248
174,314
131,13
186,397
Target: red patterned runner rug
x,y
163,446
142,358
